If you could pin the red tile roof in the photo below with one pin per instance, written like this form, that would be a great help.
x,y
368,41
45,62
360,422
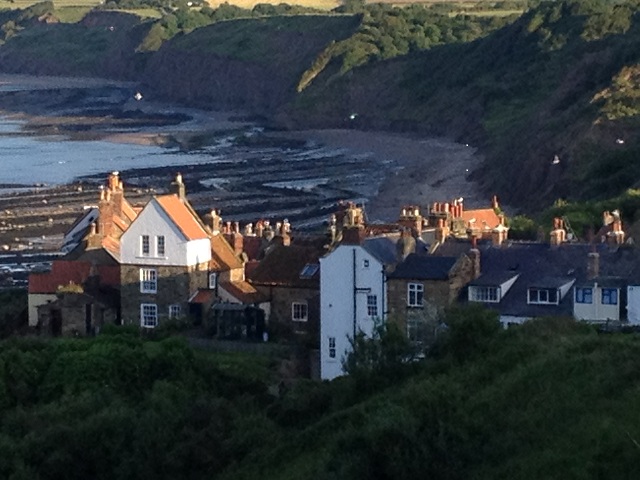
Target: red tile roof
x,y
222,255
64,272
182,216
485,218
202,296
243,291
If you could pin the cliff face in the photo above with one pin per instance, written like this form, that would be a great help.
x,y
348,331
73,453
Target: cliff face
x,y
243,64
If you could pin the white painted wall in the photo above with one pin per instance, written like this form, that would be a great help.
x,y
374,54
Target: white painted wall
x,y
34,301
153,221
596,311
506,320
633,304
336,302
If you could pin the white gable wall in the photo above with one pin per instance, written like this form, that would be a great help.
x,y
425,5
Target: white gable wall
x,y
633,304
337,302
153,221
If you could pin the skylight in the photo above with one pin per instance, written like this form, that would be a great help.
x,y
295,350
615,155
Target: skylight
x,y
309,270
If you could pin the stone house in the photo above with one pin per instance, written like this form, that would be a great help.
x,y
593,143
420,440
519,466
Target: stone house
x,y
289,277
421,287
164,260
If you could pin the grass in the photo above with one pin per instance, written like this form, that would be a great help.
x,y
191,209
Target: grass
x,y
249,4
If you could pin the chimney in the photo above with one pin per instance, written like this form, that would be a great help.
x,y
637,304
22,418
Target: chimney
x,y
248,230
442,230
259,228
237,241
558,235
616,234
353,236
227,228
405,246
499,235
216,222
494,203
284,233
177,187
593,265
474,255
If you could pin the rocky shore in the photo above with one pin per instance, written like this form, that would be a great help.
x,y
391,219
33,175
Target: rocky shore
x,y
298,174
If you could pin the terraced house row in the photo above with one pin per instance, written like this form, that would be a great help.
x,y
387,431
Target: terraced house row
x,y
160,262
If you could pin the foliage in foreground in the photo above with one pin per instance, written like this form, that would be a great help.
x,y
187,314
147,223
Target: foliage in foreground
x,y
549,399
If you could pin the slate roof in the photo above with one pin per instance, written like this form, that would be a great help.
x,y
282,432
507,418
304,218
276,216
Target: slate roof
x,y
542,266
382,248
283,264
424,268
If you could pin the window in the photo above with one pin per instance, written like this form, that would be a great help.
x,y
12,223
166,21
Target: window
x,y
609,296
144,246
417,330
543,296
148,280
309,270
332,347
365,263
372,305
174,311
415,294
148,315
299,312
160,245
483,294
584,295
213,280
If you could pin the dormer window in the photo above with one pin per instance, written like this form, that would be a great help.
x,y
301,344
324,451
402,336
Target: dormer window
x,y
542,296
484,294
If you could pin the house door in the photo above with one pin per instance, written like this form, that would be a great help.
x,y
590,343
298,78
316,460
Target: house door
x,y
87,319
56,323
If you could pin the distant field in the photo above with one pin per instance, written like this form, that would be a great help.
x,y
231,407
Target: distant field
x,y
319,4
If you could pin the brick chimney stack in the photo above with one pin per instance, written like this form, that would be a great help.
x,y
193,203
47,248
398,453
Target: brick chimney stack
x,y
494,203
593,265
259,228
284,233
216,221
474,255
442,230
177,187
558,235
616,235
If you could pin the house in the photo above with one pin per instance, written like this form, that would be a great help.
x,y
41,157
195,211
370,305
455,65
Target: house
x,y
92,246
164,260
289,276
421,287
525,280
353,294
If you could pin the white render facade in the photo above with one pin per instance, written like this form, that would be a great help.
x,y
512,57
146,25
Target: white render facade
x,y
352,288
153,223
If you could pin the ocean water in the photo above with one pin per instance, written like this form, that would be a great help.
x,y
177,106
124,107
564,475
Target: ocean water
x,y
52,160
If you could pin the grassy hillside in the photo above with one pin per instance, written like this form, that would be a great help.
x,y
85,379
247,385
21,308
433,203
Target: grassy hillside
x,y
550,399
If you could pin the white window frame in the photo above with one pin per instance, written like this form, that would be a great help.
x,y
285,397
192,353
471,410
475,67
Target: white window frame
x,y
299,311
213,280
332,347
372,306
161,246
175,310
611,294
484,294
581,294
148,280
415,295
148,315
145,246
540,296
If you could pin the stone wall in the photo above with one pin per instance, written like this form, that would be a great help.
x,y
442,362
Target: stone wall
x,y
175,286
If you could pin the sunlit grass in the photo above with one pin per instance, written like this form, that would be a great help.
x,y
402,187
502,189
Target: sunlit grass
x,y
318,4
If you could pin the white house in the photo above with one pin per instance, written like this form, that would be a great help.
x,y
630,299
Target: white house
x,y
597,301
352,297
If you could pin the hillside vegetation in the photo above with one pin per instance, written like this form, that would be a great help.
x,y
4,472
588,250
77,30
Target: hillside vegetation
x,y
550,399
559,80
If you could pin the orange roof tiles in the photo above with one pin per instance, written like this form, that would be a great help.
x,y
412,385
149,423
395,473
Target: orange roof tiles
x,y
183,218
243,291
202,296
222,255
484,218
128,210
